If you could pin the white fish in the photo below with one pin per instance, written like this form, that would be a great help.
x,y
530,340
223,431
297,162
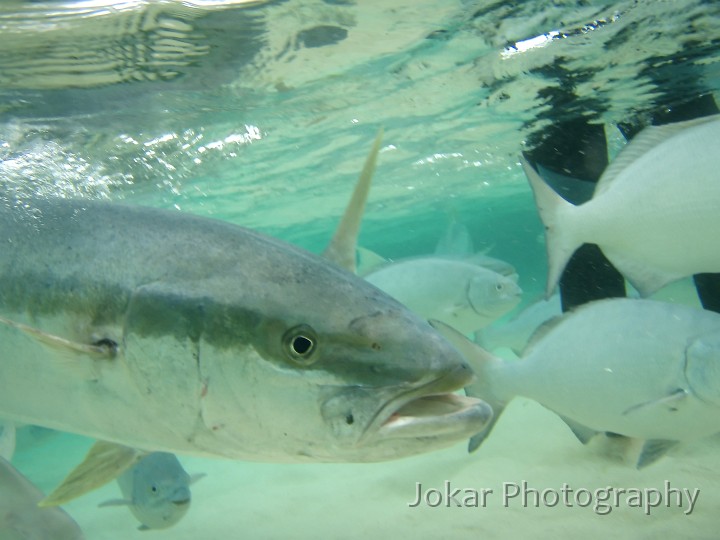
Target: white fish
x,y
654,212
20,517
156,490
456,244
516,332
640,368
458,293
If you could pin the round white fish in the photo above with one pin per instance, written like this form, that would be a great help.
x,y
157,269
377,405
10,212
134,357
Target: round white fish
x,y
461,294
654,212
640,368
156,490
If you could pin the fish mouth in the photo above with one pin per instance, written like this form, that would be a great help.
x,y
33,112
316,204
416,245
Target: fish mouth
x,y
181,502
434,410
509,297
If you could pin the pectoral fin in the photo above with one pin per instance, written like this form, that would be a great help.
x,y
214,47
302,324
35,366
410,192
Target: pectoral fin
x,y
104,462
195,477
115,502
653,450
583,433
104,349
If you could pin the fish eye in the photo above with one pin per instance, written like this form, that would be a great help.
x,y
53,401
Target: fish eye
x,y
499,287
300,344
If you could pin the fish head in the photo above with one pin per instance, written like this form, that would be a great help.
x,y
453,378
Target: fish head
x,y
159,491
338,371
491,295
702,367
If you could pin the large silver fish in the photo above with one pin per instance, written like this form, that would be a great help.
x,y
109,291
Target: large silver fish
x,y
166,331
641,368
654,212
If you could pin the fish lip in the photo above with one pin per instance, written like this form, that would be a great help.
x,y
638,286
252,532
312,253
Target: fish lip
x,y
391,422
461,416
182,502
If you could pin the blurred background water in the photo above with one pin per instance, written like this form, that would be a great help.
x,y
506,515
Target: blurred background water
x,y
261,113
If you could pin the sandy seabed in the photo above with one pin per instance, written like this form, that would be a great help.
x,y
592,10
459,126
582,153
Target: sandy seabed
x,y
529,444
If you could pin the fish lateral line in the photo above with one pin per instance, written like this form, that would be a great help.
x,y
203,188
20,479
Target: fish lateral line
x,y
104,348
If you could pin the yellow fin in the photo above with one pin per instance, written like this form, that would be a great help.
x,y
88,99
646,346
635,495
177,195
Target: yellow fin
x,y
341,249
104,462
98,351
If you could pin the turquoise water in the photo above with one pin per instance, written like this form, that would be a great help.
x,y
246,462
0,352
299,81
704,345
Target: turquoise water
x,y
262,114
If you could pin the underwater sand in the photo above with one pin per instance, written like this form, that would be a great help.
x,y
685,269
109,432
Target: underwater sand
x,y
266,501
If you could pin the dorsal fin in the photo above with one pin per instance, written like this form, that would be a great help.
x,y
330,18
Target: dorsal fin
x,y
455,241
368,261
341,249
641,144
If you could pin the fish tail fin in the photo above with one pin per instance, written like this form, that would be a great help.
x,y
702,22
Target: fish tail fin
x,y
560,241
487,385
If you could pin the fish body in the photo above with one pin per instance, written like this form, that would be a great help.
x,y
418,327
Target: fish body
x,y
165,331
640,368
459,293
156,490
654,210
20,517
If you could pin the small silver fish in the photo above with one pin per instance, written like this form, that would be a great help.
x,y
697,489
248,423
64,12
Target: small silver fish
x,y
20,517
156,490
461,294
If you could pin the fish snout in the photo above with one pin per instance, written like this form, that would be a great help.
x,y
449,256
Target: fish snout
x,y
181,496
508,288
